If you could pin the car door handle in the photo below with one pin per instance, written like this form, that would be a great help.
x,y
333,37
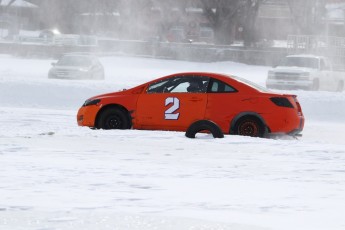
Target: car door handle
x,y
195,99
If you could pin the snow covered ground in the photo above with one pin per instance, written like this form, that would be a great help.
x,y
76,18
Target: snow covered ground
x,y
55,175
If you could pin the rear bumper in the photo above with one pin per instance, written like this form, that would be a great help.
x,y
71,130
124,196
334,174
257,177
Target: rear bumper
x,y
295,132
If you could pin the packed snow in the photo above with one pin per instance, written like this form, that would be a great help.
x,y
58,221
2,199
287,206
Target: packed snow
x,y
55,175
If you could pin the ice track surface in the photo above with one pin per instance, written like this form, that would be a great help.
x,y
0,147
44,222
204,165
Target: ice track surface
x,y
56,175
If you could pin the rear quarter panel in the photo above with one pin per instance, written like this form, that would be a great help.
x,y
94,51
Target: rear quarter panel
x,y
222,108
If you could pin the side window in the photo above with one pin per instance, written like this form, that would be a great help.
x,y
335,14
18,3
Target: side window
x,y
322,65
158,87
181,87
327,65
192,84
220,87
214,86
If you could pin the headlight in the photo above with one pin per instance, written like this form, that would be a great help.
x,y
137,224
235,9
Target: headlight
x,y
91,102
84,69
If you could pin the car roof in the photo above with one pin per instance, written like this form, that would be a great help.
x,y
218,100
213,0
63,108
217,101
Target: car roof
x,y
241,82
80,55
205,74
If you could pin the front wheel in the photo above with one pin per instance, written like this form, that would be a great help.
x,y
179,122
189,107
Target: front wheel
x,y
249,126
113,118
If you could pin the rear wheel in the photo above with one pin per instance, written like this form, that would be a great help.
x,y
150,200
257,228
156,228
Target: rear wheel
x,y
249,126
113,118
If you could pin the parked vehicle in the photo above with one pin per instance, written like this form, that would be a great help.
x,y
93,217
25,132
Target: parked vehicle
x,y
198,35
177,34
198,100
206,35
49,33
77,66
307,72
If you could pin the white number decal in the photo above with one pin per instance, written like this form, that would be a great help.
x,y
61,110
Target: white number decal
x,y
170,113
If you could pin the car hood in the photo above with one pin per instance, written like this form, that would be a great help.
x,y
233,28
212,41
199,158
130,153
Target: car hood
x,y
124,92
292,69
71,67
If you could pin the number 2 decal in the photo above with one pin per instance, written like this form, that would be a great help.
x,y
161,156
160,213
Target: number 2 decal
x,y
170,112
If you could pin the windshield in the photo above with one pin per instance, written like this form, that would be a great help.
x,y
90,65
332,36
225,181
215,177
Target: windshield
x,y
309,62
74,61
251,84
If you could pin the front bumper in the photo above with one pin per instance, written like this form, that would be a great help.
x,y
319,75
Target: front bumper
x,y
75,74
87,115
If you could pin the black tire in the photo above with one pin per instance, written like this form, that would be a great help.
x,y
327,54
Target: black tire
x,y
249,126
204,125
113,118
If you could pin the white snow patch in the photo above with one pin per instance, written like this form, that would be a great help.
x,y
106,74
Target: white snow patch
x,y
56,175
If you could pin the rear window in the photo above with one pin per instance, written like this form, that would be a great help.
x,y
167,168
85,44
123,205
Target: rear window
x,y
251,84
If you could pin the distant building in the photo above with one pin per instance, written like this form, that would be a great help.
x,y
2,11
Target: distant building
x,y
274,20
15,17
335,18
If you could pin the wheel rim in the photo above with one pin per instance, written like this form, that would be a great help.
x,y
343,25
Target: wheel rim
x,y
113,122
248,128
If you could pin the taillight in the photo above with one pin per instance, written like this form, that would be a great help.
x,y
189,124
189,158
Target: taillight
x,y
299,108
282,102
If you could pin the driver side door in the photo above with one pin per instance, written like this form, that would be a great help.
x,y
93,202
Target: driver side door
x,y
167,105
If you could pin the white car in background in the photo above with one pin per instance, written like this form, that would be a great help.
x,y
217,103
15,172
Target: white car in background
x,y
307,72
77,66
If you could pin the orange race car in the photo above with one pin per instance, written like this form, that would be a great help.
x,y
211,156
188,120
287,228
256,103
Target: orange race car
x,y
201,101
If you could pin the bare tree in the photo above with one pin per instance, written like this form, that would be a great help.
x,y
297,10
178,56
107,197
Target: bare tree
x,y
223,16
250,15
137,17
10,3
227,16
7,6
307,14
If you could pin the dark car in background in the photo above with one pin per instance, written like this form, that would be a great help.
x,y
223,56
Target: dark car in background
x,y
77,66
